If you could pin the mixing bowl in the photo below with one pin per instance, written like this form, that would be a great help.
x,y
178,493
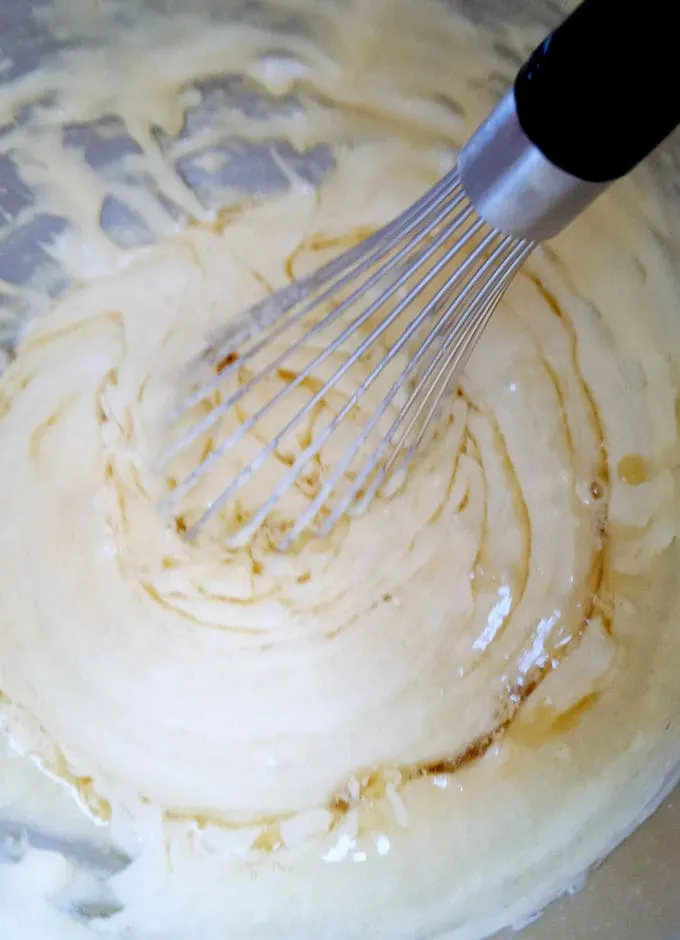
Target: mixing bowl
x,y
634,893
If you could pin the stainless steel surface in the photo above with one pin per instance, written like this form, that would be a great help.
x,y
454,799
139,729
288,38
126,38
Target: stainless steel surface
x,y
430,282
634,894
513,186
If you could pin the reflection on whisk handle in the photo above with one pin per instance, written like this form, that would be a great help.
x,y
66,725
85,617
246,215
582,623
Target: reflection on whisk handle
x,y
590,102
601,92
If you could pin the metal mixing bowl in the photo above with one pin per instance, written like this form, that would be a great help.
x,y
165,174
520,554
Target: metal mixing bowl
x,y
634,894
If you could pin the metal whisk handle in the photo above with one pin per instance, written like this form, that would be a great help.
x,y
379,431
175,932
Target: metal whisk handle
x,y
592,100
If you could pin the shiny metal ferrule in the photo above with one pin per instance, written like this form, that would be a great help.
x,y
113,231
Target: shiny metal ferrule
x,y
513,186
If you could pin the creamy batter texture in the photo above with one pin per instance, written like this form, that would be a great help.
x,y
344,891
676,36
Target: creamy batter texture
x,y
435,720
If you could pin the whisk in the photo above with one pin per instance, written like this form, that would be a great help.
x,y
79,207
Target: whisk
x,y
327,390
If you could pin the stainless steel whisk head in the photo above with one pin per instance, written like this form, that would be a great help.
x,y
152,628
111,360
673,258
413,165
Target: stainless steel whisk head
x,y
346,369
323,394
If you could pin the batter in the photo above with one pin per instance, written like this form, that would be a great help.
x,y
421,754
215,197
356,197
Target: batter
x,y
431,722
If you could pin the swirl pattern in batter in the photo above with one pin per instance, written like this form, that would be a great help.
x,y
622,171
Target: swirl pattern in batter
x,y
443,712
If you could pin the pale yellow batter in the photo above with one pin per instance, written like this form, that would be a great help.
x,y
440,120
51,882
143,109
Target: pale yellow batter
x,y
432,722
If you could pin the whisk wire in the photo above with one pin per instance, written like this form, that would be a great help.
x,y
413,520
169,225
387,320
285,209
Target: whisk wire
x,y
373,462
186,485
209,388
276,306
473,315
440,243
304,457
342,465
